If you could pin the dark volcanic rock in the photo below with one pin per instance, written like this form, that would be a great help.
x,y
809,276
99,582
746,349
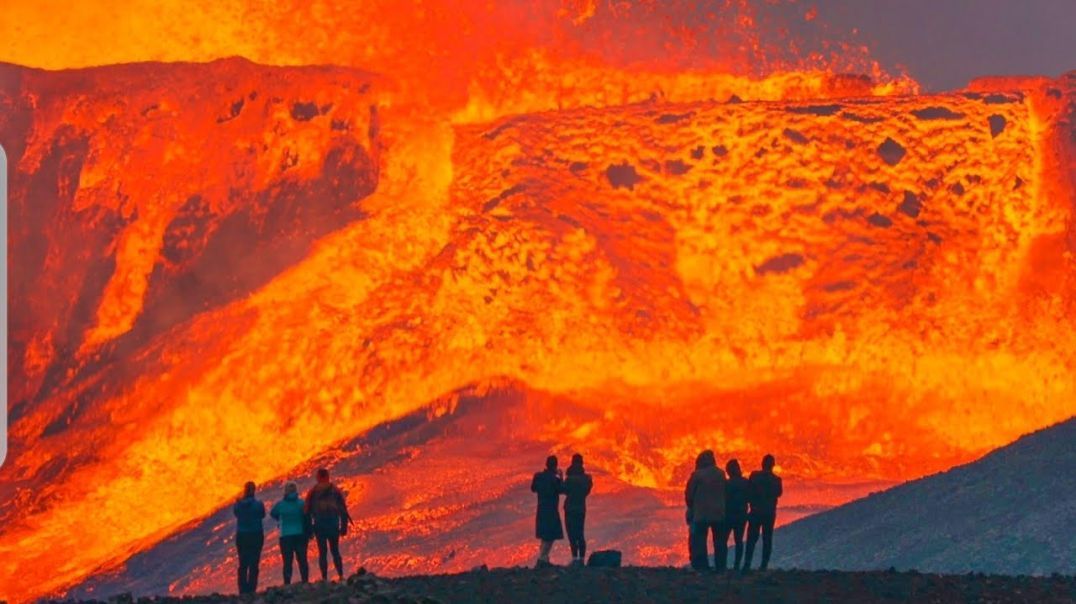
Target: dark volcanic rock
x,y
634,584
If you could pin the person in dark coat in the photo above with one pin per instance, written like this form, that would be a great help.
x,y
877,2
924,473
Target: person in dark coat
x,y
249,538
705,497
548,485
577,485
737,490
692,542
327,507
765,489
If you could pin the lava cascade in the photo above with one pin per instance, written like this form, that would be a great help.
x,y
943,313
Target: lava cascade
x,y
232,269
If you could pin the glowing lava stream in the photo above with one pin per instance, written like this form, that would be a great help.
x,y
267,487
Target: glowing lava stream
x,y
563,285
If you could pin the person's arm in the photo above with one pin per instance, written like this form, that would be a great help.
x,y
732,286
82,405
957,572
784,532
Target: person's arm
x,y
275,512
309,503
534,484
780,489
689,492
235,509
341,500
261,510
590,486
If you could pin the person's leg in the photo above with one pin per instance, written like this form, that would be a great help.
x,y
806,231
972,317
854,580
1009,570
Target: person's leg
x,y
721,547
287,552
256,559
248,549
582,536
767,541
738,527
241,571
574,524
338,561
543,551
302,543
323,558
700,554
752,538
726,528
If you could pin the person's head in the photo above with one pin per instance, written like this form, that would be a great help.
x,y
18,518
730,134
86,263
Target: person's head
x,y
248,489
733,468
577,465
323,475
768,463
551,463
707,459
291,489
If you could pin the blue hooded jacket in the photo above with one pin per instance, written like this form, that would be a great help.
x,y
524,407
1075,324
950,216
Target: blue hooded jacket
x,y
289,513
249,513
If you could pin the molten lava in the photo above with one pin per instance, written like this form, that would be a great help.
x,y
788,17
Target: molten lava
x,y
225,271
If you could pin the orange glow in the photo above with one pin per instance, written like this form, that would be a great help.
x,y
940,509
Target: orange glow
x,y
880,276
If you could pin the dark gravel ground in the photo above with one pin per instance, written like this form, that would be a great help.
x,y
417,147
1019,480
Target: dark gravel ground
x,y
548,586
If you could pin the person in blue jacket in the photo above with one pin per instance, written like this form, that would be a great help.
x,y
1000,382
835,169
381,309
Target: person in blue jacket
x,y
249,538
289,513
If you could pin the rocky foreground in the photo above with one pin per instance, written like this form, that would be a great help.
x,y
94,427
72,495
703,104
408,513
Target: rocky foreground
x,y
519,586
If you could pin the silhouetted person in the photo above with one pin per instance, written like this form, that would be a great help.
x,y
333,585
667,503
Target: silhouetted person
x,y
765,489
705,496
249,538
548,484
290,513
328,509
577,486
692,542
737,492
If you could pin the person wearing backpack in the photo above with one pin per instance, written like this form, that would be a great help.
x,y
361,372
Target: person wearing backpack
x,y
327,507
249,538
765,490
705,497
577,485
289,512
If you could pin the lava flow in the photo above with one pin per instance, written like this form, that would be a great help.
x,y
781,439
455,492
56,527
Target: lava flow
x,y
226,271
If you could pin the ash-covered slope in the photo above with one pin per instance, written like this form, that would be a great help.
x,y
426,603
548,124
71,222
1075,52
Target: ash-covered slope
x,y
1012,512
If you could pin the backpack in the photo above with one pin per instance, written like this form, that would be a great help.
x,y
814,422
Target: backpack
x,y
605,559
326,503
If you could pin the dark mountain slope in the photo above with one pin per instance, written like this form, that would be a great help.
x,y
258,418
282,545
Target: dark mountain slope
x,y
1013,511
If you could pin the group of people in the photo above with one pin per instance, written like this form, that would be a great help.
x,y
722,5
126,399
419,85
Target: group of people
x,y
720,504
322,515
717,505
549,485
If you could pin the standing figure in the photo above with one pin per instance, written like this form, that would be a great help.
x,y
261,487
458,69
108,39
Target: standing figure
x,y
765,489
548,485
737,490
705,496
327,507
577,486
289,512
249,538
692,542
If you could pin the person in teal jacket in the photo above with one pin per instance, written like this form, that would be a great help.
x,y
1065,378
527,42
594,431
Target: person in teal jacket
x,y
293,532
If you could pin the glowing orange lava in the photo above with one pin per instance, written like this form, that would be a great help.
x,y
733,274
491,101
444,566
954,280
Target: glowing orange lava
x,y
223,270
